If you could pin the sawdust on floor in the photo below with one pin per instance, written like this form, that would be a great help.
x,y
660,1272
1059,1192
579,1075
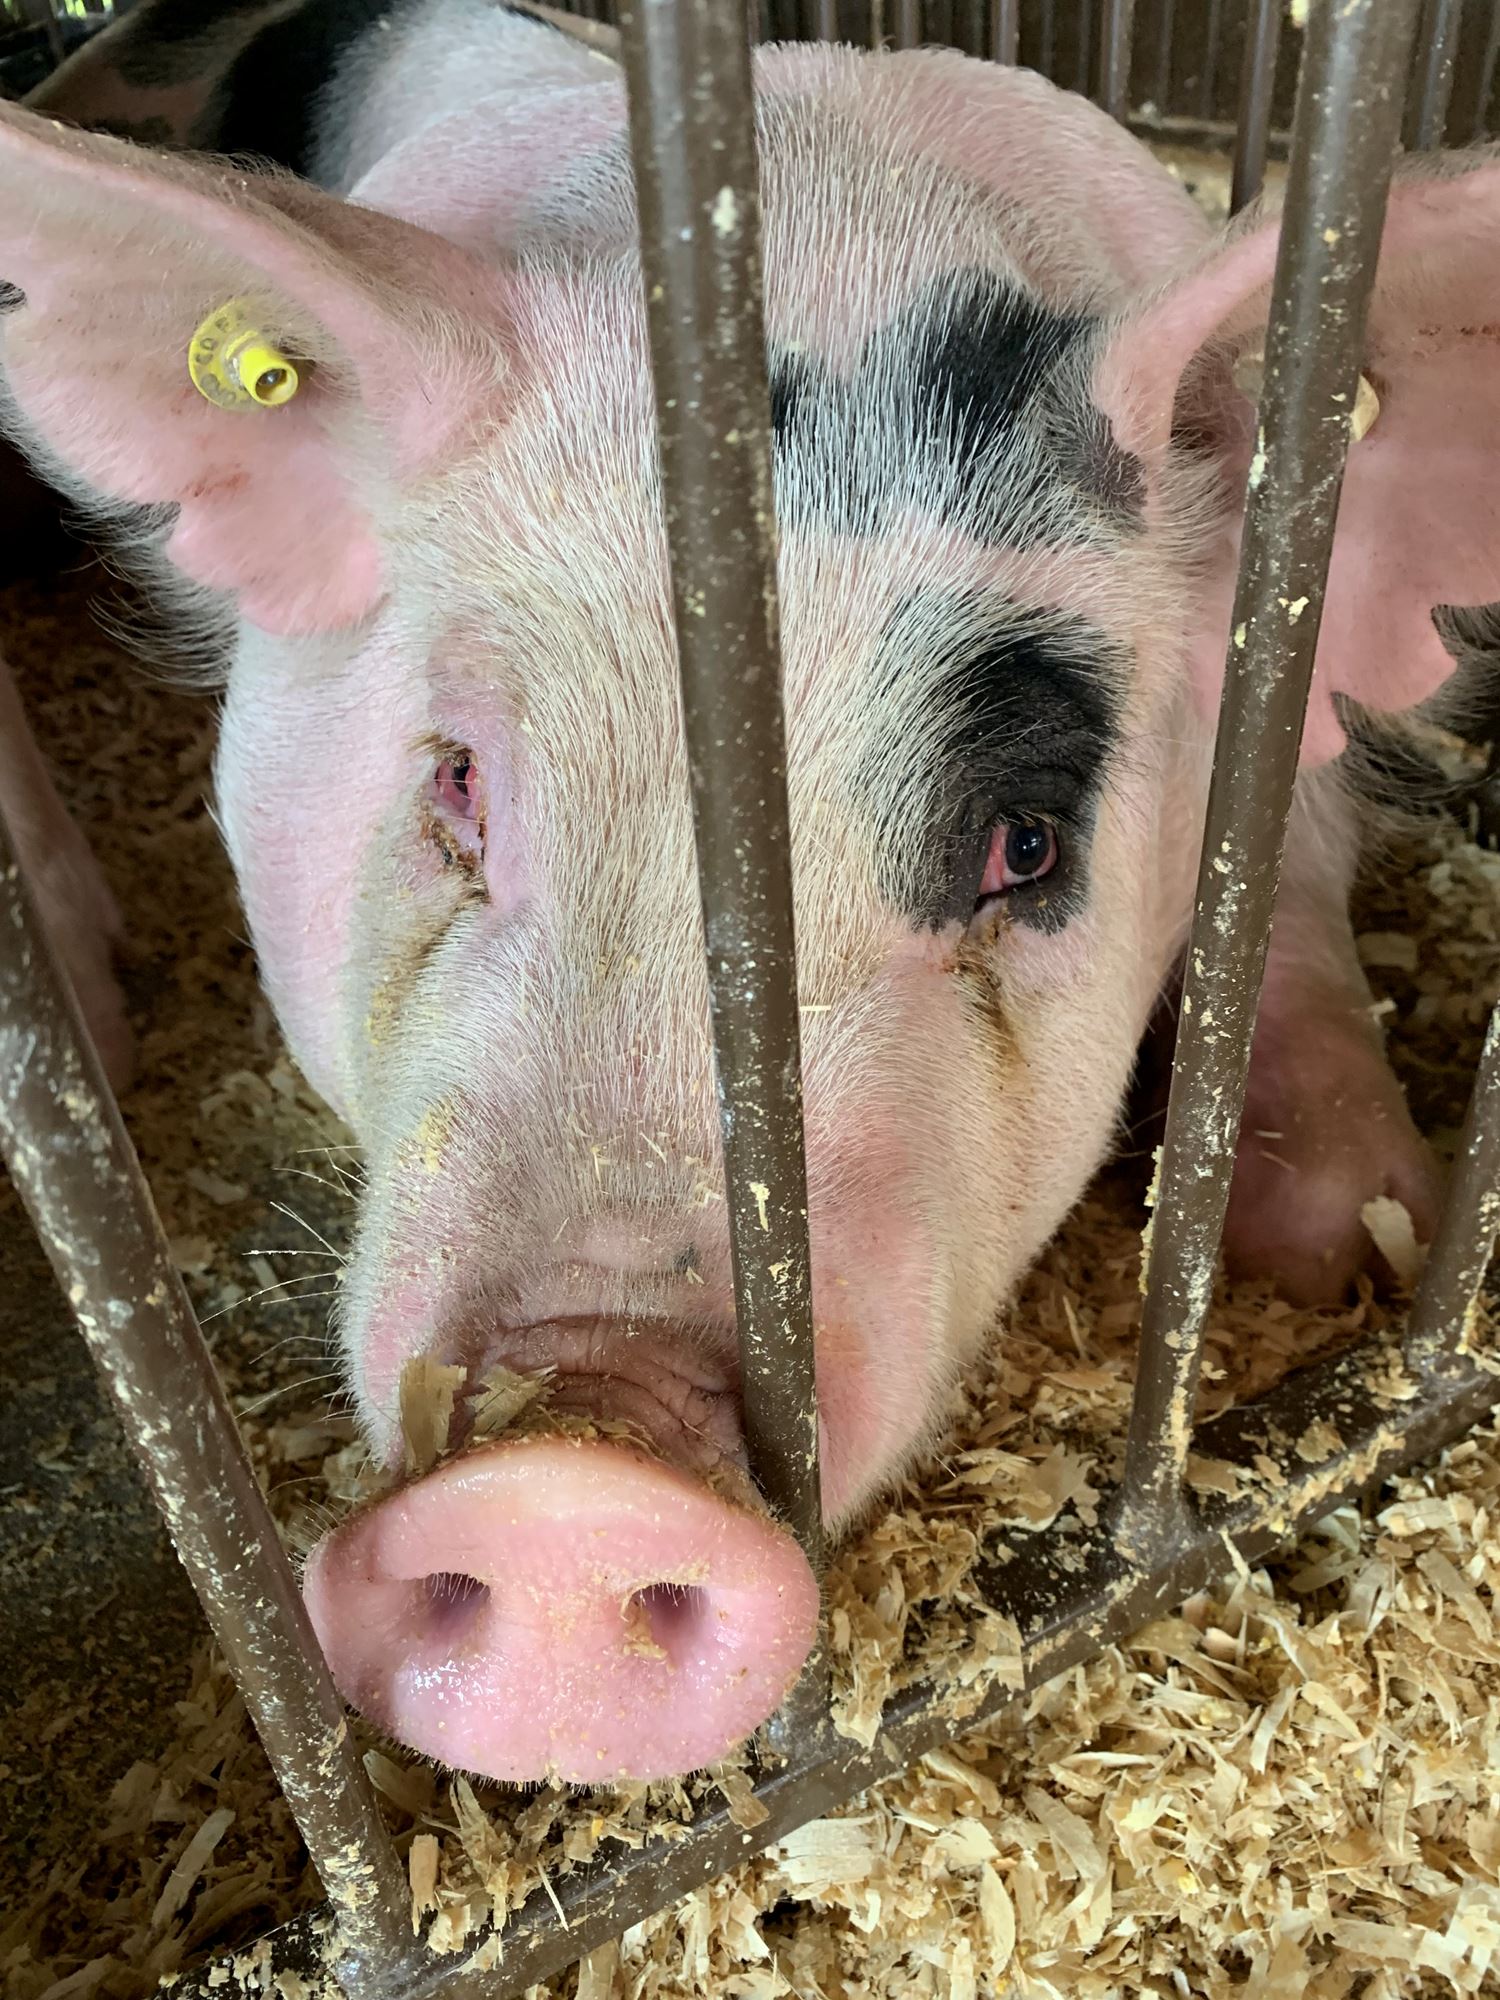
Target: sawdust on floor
x,y
1292,1787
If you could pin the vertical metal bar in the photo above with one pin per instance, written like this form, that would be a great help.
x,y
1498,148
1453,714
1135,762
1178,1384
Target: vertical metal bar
x,y
692,128
1046,58
1209,76
1432,76
1474,72
1161,89
77,1172
1465,1236
1116,31
1005,30
1257,88
1344,142
969,26
820,20
907,23
1083,55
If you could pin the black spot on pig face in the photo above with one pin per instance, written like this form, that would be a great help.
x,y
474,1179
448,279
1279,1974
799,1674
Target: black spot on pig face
x,y
1018,720
966,407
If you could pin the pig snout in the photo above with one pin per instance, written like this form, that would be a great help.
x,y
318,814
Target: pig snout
x,y
557,1607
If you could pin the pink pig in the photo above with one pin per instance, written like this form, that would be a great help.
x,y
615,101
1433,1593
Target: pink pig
x,y
1011,458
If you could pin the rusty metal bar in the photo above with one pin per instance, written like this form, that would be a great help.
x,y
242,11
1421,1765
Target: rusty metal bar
x,y
1116,32
1465,1237
1432,76
77,1172
693,136
1005,30
1069,1594
1257,88
1343,146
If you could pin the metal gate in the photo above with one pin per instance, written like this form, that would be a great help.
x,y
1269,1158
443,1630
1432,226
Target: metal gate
x,y
688,71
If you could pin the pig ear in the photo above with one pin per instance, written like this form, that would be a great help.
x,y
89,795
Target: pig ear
x,y
120,256
1419,518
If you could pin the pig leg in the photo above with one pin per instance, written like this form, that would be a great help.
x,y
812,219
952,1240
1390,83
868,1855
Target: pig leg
x,y
76,905
1326,1128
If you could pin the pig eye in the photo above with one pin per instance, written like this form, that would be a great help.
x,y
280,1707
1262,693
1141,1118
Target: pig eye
x,y
457,809
1021,851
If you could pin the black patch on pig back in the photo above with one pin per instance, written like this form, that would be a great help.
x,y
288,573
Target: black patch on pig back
x,y
958,408
268,106
176,41
1029,717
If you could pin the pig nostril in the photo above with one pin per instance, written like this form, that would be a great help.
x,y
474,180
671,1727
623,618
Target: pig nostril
x,y
453,1601
671,1610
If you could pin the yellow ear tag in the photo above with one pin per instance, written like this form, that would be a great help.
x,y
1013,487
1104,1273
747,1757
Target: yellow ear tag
x,y
235,366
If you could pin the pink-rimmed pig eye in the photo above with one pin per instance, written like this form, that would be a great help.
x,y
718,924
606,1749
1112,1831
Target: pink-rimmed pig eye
x,y
1021,851
457,808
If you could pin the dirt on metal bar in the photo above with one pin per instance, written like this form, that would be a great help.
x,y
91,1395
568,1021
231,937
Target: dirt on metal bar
x,y
687,65
1329,1432
1343,150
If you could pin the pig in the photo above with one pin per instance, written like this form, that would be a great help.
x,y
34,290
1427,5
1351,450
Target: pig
x,y
1011,450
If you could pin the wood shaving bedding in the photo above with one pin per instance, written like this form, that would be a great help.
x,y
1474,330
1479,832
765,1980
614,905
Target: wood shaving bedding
x,y
1290,1787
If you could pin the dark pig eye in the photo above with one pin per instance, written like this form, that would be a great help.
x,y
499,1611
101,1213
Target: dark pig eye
x,y
456,808
1021,851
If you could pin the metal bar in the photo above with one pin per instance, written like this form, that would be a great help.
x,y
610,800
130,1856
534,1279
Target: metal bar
x,y
1046,34
820,20
77,1172
692,131
1208,77
1070,1596
1343,147
1083,54
1465,1237
907,23
1432,76
1116,31
1161,90
969,27
1005,30
1474,75
1217,136
1257,88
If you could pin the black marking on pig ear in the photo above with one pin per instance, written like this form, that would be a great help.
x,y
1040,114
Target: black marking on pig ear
x,y
959,404
1029,717
11,296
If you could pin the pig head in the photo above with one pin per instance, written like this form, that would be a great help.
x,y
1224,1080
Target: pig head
x,y
452,774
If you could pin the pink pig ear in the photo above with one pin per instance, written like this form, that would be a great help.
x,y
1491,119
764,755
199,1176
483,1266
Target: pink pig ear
x,y
1419,519
121,255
